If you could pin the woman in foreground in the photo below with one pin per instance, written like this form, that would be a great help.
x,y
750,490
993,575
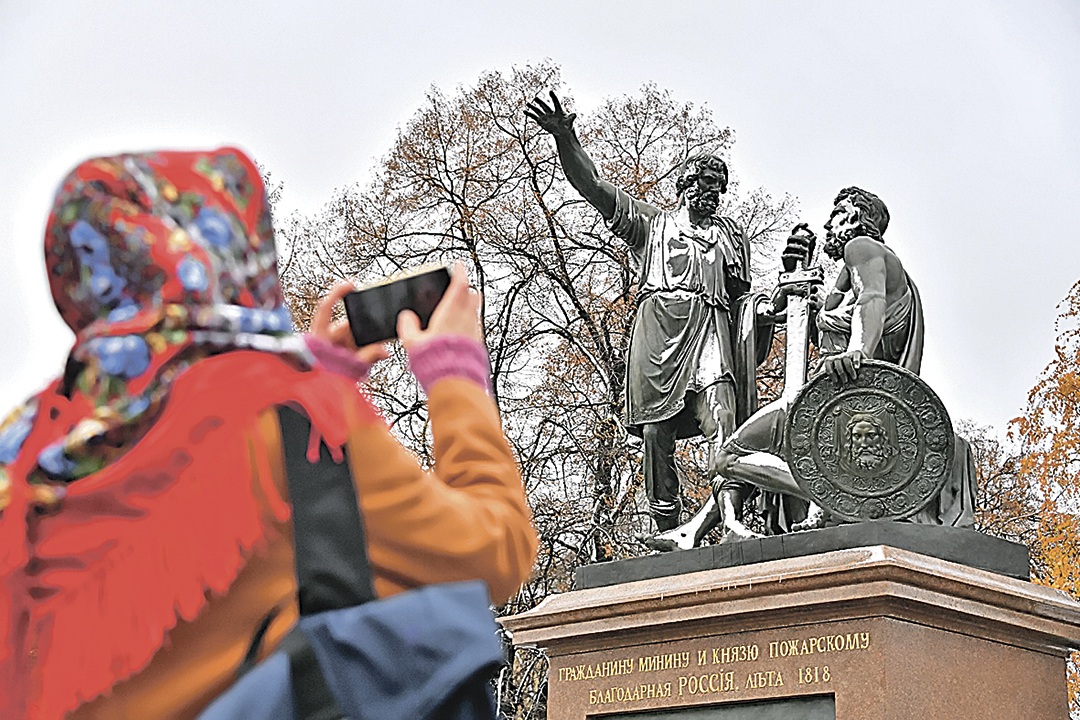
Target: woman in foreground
x,y
145,521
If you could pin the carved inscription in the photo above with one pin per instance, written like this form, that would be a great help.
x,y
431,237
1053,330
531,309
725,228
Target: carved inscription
x,y
598,670
768,678
618,694
669,661
822,644
714,674
728,655
717,682
814,675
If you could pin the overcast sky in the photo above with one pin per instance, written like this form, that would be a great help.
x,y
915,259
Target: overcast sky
x,y
961,115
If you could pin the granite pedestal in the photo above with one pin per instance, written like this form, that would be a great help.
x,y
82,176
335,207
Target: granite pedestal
x,y
868,632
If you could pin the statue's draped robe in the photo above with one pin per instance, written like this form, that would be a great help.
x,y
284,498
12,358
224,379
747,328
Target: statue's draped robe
x,y
901,337
902,344
692,284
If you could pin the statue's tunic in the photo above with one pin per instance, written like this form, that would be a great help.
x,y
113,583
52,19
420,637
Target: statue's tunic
x,y
689,279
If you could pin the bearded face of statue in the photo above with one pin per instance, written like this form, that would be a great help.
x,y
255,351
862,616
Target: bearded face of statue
x,y
703,196
843,225
867,444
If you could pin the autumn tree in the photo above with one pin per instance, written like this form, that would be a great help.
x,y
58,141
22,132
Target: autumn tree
x,y
1048,434
1007,506
468,177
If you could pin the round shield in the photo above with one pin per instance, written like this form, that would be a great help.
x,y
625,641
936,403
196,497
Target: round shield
x,y
878,448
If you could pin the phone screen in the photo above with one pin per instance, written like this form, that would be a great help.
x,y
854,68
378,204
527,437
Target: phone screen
x,y
373,311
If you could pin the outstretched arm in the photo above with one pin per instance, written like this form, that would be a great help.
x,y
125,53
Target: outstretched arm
x,y
579,168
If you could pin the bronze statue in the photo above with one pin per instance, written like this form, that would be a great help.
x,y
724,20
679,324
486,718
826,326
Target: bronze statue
x,y
873,313
695,342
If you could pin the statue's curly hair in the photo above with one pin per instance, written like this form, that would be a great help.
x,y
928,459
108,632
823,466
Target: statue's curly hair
x,y
692,167
873,215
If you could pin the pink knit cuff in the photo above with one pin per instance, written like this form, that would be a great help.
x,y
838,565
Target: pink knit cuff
x,y
337,360
451,356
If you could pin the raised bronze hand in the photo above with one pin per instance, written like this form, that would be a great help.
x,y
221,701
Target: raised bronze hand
x,y
579,169
800,248
551,118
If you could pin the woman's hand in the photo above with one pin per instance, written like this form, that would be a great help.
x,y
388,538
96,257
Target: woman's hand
x,y
338,333
458,313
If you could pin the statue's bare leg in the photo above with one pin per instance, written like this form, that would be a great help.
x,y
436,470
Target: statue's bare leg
x,y
764,470
772,473
749,456
689,534
732,498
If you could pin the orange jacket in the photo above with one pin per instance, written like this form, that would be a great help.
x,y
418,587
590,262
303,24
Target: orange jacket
x,y
466,519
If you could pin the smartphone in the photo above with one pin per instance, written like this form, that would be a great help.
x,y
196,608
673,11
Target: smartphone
x,y
373,310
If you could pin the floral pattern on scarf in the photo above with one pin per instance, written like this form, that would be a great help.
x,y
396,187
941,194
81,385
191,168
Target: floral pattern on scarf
x,y
156,261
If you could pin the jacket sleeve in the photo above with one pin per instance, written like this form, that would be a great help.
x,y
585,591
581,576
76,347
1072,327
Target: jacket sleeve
x,y
466,519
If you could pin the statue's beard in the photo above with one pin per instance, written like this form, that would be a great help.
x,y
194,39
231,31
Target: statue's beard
x,y
870,457
833,246
703,202
835,242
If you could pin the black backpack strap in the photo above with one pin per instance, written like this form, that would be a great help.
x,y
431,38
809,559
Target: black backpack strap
x,y
332,568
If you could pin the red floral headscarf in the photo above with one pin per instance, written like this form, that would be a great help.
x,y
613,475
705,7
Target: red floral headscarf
x,y
155,261
129,487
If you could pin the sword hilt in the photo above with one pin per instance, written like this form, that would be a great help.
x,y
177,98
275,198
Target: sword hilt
x,y
799,252
797,279
800,276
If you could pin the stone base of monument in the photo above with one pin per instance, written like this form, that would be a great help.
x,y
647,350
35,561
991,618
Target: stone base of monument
x,y
864,632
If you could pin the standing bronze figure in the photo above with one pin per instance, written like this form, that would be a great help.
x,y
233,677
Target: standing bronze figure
x,y
695,343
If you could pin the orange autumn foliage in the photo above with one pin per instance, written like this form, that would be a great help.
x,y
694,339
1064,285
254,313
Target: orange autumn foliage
x,y
1049,436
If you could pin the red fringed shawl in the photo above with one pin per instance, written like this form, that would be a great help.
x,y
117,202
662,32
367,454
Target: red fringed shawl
x,y
135,485
90,590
